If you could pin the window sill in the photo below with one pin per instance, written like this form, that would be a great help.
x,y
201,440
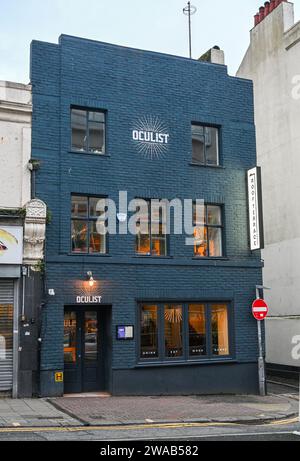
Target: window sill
x,y
153,257
93,255
180,363
88,153
202,165
206,258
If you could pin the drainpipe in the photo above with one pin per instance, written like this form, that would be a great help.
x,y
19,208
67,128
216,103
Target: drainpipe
x,y
33,166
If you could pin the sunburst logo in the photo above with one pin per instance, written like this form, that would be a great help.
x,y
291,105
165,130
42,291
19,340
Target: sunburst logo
x,y
173,315
151,137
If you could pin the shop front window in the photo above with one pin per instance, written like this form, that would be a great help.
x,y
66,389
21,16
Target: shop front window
x,y
149,332
183,332
173,331
197,330
91,336
70,322
219,330
88,225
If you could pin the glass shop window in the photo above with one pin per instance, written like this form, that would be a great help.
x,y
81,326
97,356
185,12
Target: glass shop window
x,y
149,332
197,330
173,331
70,343
91,336
219,330
185,332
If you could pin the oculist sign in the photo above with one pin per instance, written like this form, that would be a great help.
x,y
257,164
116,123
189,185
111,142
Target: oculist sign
x,y
89,299
151,137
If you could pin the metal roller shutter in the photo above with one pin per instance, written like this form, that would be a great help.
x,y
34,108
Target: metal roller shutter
x,y
6,334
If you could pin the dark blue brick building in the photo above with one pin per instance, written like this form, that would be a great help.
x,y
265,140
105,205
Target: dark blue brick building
x,y
147,315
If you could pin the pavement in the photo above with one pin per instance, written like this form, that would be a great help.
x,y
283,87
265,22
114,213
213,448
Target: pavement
x,y
32,413
103,410
111,411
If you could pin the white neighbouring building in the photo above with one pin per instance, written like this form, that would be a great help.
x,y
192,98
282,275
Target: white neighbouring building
x,y
22,235
272,61
15,144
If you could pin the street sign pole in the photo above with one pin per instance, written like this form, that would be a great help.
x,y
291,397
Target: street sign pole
x,y
261,360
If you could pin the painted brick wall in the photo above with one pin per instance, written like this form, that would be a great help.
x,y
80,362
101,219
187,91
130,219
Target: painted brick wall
x,y
130,84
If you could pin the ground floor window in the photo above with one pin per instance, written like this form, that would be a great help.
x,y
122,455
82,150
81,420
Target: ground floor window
x,y
184,331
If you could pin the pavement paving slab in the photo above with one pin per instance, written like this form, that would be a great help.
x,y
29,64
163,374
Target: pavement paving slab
x,y
33,413
99,411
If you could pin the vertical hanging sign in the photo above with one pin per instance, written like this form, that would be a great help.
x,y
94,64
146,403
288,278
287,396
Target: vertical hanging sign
x,y
255,209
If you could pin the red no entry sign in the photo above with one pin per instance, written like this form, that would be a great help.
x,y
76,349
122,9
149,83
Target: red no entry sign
x,y
260,309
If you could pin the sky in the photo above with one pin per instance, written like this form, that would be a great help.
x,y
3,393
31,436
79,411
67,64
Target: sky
x,y
156,25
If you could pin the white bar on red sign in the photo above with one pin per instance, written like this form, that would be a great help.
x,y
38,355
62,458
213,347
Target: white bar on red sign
x,y
260,309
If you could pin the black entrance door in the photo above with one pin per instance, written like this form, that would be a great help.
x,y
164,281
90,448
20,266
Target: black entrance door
x,y
85,350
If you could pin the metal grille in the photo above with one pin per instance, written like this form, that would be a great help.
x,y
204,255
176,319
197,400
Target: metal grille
x,y
6,334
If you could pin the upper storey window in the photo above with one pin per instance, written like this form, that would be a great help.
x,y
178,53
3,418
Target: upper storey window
x,y
88,131
205,143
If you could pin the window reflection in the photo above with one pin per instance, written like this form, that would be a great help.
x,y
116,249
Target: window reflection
x,y
205,145
70,337
215,242
186,331
200,247
197,330
173,331
97,239
91,337
79,130
88,227
79,207
88,131
214,215
149,332
151,231
142,243
208,231
79,236
219,325
212,147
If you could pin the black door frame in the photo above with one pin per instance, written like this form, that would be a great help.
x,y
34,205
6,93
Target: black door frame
x,y
79,370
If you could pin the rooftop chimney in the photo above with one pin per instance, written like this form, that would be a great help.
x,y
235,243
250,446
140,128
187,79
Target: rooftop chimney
x,y
264,11
215,55
267,8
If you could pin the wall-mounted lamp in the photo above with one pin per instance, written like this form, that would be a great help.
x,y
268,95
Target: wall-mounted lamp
x,y
91,279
